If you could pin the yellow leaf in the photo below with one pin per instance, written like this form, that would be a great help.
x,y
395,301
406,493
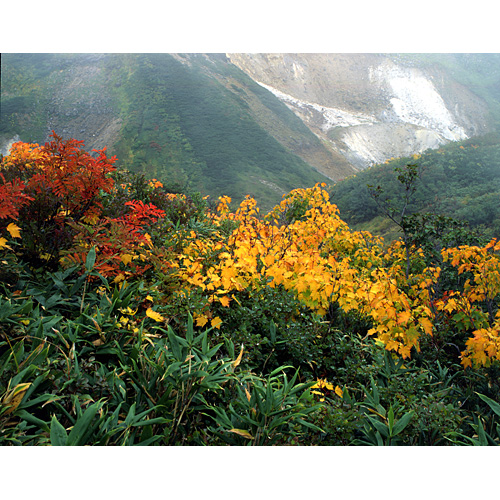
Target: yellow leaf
x,y
403,317
91,219
126,258
201,321
128,311
225,301
154,315
426,325
147,237
466,362
238,359
119,277
322,384
242,433
14,230
216,322
14,398
338,391
268,260
3,244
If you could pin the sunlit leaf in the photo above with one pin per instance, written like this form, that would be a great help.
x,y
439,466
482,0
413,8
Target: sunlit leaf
x,y
225,300
126,258
237,361
14,397
216,322
242,433
14,230
3,243
201,320
154,315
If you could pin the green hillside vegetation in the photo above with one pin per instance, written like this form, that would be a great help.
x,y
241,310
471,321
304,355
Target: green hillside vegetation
x,y
28,86
186,124
459,180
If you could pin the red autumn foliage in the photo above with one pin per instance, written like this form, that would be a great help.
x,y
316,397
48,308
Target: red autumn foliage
x,y
73,176
12,198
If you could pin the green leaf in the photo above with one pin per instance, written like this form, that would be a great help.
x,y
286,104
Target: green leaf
x,y
90,260
381,428
77,434
24,415
278,370
483,441
400,425
309,424
272,331
174,345
491,403
190,330
130,416
152,421
58,435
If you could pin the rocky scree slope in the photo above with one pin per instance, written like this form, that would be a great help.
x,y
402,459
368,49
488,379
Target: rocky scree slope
x,y
367,108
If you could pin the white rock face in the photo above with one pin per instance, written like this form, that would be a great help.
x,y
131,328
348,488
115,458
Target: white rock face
x,y
365,146
415,100
416,118
332,117
368,107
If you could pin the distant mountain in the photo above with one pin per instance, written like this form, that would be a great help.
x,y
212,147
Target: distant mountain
x,y
367,108
259,124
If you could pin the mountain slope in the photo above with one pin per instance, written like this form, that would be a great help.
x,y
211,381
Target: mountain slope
x,y
371,107
181,119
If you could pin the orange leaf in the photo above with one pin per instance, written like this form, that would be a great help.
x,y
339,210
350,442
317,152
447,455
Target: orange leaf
x,y
403,317
426,325
238,359
224,300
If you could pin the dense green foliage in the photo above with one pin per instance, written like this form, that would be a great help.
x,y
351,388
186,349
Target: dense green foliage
x,y
460,180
